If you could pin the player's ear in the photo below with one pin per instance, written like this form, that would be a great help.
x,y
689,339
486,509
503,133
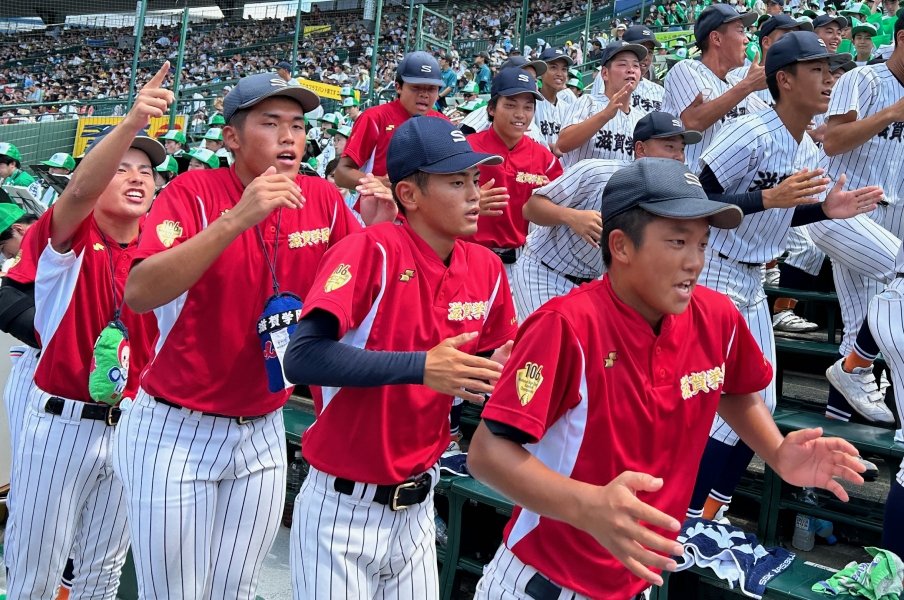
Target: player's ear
x,y
620,246
405,194
231,138
639,150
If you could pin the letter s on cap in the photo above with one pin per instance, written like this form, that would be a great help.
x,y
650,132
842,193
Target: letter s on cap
x,y
457,136
692,179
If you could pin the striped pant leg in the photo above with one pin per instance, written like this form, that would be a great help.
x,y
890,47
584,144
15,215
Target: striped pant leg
x,y
533,285
203,496
803,253
347,546
886,322
505,578
64,474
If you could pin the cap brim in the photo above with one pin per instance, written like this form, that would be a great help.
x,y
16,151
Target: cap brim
x,y
47,163
151,147
516,91
423,81
719,214
308,99
640,51
538,65
690,136
568,60
461,162
847,66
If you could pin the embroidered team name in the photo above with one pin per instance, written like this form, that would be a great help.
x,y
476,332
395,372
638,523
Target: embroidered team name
x,y
892,132
614,142
468,311
702,381
766,180
168,231
646,104
528,380
550,128
300,239
531,178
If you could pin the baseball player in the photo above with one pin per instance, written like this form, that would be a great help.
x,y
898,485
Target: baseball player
x,y
527,164
756,152
479,119
601,126
66,497
60,164
829,28
417,84
205,433
363,524
701,92
648,95
564,252
621,359
550,110
863,139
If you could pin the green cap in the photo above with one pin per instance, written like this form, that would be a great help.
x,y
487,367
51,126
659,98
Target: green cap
x,y
346,91
333,119
205,156
169,164
470,106
343,130
471,88
575,83
216,119
868,28
174,135
11,151
60,160
574,74
9,214
214,133
348,102
861,8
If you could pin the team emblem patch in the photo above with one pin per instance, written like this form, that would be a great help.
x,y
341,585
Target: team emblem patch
x,y
98,247
406,275
528,381
340,277
609,361
168,231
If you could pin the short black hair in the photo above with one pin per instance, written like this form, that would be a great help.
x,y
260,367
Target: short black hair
x,y
703,44
9,160
492,104
237,120
632,222
26,219
899,25
772,81
418,178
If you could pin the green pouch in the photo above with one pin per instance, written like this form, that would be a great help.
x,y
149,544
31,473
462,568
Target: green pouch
x,y
109,371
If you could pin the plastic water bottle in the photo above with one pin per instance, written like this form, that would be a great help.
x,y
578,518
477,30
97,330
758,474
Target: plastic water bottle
x,y
442,534
804,532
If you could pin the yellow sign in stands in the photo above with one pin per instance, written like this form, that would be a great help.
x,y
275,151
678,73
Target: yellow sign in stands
x,y
309,29
668,36
324,90
90,127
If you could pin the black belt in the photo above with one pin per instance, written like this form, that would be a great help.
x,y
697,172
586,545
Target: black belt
x,y
899,275
239,420
507,255
571,278
540,588
740,262
94,412
396,497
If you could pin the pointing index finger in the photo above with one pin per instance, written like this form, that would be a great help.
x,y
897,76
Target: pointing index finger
x,y
159,76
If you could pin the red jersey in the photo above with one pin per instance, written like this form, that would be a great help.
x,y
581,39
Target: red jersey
x,y
391,291
526,167
208,355
371,133
74,301
603,394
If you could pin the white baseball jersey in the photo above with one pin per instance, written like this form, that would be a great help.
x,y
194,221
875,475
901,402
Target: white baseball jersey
x,y
879,161
648,96
478,120
614,141
566,96
691,78
548,119
756,152
741,72
580,187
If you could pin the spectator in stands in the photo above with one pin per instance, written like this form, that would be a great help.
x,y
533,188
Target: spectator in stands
x,y
11,172
202,158
352,109
775,7
61,164
284,70
174,142
450,81
483,72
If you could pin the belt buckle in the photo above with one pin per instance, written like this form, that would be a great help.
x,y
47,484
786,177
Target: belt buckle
x,y
109,419
394,503
242,420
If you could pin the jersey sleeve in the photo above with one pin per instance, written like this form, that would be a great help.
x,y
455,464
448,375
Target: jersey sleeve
x,y
682,86
578,111
746,368
854,91
363,140
576,184
501,324
553,165
731,153
541,379
25,268
348,281
176,216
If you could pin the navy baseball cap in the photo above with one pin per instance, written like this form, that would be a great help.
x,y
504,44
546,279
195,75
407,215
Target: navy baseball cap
x,y
284,65
782,21
519,61
655,125
431,145
551,54
419,68
613,49
154,149
824,20
257,88
514,81
638,34
665,188
716,15
801,46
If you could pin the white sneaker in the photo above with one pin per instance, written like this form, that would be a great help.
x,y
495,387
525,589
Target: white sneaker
x,y
720,516
861,391
772,277
788,322
452,450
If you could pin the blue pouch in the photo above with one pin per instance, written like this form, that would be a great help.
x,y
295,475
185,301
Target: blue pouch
x,y
274,327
